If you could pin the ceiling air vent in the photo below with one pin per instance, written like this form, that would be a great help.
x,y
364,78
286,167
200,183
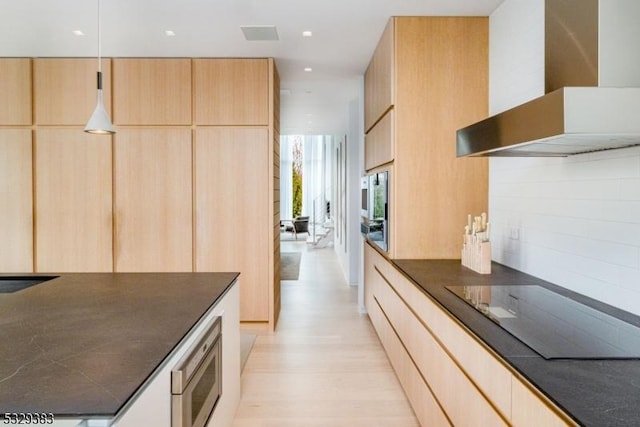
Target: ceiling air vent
x,y
260,32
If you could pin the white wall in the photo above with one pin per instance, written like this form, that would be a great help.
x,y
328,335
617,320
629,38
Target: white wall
x,y
573,221
350,246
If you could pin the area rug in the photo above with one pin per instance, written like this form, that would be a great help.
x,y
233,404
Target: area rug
x,y
290,265
287,236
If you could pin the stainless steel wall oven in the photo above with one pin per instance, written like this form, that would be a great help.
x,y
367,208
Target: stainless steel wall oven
x,y
196,381
374,222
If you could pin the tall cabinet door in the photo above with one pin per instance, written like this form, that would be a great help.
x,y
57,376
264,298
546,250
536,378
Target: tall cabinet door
x,y
153,203
73,196
16,213
232,206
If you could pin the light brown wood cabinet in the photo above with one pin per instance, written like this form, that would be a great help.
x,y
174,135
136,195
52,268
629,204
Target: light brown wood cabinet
x,y
232,91
531,409
153,200
232,209
379,78
379,142
440,365
152,91
15,91
142,200
237,193
65,89
16,214
437,83
73,197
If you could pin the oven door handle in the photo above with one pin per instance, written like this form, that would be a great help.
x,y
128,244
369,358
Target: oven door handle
x,y
187,366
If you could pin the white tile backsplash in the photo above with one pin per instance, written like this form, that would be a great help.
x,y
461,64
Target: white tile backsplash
x,y
573,221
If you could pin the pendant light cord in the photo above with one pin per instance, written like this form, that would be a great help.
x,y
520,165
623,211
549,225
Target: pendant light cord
x,y
99,41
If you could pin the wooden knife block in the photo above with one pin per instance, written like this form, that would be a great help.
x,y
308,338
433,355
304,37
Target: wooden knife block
x,y
476,253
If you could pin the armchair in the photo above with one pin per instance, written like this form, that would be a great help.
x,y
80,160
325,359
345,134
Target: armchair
x,y
300,225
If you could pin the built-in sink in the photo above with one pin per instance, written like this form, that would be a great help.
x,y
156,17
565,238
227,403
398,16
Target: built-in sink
x,y
10,284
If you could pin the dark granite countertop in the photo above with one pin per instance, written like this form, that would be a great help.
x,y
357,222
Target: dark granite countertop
x,y
593,392
82,344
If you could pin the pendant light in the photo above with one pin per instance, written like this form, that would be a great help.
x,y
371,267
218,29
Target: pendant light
x,y
99,122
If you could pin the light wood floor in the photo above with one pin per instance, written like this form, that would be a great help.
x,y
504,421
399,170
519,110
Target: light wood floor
x,y
324,366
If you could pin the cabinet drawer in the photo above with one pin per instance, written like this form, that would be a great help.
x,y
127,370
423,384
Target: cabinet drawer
x,y
375,267
424,404
531,410
458,395
378,143
487,372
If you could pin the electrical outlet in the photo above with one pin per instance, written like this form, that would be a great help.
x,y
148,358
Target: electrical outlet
x,y
514,233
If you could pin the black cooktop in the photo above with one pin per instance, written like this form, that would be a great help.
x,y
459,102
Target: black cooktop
x,y
553,325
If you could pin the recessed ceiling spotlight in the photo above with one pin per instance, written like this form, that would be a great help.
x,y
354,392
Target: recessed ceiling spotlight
x,y
308,69
169,33
78,33
307,33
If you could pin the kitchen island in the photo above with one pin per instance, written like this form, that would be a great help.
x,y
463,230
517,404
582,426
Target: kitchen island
x,y
88,346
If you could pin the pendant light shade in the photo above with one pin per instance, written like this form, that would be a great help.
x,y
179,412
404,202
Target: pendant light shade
x,y
99,122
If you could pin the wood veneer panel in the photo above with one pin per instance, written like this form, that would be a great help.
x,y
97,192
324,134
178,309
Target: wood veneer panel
x,y
152,91
531,410
441,85
16,214
65,90
15,91
232,211
231,91
425,406
274,237
488,374
73,201
379,77
153,200
378,143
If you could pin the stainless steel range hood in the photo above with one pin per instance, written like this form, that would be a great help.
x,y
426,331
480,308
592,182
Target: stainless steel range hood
x,y
592,80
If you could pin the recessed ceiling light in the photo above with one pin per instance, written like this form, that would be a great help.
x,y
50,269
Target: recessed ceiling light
x,y
307,33
78,33
169,33
308,69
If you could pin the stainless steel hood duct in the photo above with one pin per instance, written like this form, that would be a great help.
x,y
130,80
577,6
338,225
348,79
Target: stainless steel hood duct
x,y
592,80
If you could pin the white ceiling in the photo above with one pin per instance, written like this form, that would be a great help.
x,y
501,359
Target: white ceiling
x,y
345,33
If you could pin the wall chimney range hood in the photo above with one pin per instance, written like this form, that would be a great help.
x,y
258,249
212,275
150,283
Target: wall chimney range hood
x,y
592,85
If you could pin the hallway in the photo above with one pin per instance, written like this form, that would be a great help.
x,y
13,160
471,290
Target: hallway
x,y
324,365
